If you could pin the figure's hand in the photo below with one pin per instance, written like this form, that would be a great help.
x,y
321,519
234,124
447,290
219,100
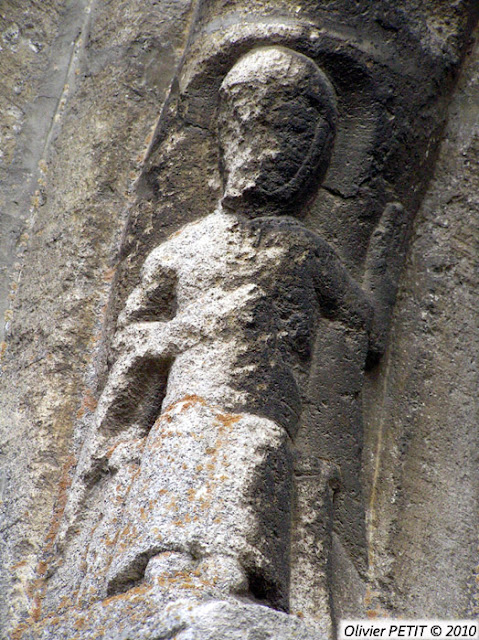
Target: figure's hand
x,y
140,339
384,262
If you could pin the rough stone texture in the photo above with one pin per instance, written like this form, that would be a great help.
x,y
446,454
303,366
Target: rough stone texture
x,y
225,314
139,615
391,70
91,148
422,403
30,92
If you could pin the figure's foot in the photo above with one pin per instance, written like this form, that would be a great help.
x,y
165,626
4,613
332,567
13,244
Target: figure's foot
x,y
180,575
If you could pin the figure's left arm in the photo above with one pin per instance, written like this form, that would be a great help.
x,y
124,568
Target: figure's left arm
x,y
340,296
369,307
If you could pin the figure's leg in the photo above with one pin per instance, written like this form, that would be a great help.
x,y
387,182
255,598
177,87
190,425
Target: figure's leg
x,y
180,574
310,594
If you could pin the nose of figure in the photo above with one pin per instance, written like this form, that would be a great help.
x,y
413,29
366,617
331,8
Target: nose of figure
x,y
246,169
242,178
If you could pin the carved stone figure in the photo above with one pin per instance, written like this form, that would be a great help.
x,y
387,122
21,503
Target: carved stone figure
x,y
186,479
196,327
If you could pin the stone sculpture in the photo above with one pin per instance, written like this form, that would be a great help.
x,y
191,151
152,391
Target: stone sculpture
x,y
182,444
187,475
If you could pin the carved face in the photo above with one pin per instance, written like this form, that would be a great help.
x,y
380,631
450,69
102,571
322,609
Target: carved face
x,y
276,131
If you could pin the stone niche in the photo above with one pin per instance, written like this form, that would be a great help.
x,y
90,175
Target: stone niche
x,y
222,474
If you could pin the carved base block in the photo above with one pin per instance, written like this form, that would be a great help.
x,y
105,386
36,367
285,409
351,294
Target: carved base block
x,y
138,614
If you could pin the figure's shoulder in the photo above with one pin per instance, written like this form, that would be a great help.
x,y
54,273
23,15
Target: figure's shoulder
x,y
211,225
196,229
191,239
271,226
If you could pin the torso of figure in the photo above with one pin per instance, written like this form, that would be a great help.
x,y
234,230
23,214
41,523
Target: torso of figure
x,y
247,303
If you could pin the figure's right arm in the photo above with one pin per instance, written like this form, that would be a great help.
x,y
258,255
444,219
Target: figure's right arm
x,y
142,343
136,383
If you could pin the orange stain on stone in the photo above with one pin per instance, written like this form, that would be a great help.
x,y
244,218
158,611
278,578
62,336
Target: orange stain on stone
x,y
228,419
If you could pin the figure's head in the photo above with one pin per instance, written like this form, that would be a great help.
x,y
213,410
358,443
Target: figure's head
x,y
277,122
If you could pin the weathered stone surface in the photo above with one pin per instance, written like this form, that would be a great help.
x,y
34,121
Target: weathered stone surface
x,y
117,60
252,331
245,292
140,615
422,433
29,97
